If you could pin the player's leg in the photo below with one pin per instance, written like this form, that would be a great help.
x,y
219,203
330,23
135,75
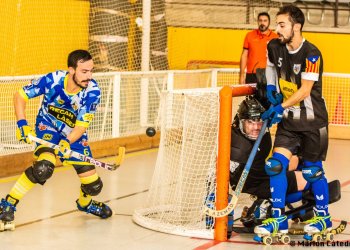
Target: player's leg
x,y
286,143
41,170
91,183
260,209
315,145
297,187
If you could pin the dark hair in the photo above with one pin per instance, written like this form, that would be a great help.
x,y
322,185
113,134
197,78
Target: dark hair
x,y
78,55
264,14
295,14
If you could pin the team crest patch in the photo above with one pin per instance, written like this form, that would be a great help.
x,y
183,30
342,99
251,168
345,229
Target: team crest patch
x,y
296,68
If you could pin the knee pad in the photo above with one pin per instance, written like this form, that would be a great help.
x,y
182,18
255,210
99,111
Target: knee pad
x,y
273,167
276,164
312,171
40,171
93,188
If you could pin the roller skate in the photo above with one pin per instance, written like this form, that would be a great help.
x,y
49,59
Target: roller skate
x,y
319,228
273,229
256,213
96,208
7,214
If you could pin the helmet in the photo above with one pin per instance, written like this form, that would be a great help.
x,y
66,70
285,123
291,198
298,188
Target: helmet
x,y
249,110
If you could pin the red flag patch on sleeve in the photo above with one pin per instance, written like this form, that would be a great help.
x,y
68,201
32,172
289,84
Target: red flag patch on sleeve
x,y
313,64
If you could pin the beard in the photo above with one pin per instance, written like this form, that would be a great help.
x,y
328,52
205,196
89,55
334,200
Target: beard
x,y
263,28
78,83
286,40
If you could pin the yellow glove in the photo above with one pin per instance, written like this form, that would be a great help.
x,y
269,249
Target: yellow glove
x,y
64,150
23,131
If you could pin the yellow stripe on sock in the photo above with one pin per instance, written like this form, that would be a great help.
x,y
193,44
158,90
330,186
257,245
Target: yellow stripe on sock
x,y
89,179
48,157
21,187
85,199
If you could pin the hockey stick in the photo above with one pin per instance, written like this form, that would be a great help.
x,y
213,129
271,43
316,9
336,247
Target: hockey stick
x,y
338,230
108,166
242,179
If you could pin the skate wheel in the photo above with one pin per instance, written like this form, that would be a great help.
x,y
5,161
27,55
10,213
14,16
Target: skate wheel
x,y
244,212
267,240
2,227
316,238
285,239
329,236
9,226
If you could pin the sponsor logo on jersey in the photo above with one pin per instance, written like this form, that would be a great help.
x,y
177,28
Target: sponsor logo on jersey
x,y
42,127
272,189
84,143
288,89
60,101
296,68
63,115
47,137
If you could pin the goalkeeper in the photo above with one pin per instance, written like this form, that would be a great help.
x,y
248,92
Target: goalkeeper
x,y
245,130
70,99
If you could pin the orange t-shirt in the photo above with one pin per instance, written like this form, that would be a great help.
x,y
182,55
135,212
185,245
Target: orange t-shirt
x,y
256,42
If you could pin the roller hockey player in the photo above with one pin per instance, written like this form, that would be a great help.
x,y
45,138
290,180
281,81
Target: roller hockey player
x,y
70,99
294,71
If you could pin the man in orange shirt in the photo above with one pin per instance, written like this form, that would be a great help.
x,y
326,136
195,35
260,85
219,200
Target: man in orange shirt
x,y
254,49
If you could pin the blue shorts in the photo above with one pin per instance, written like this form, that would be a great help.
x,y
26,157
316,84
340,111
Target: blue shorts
x,y
47,132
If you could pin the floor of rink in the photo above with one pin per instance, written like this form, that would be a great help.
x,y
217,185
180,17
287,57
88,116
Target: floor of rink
x,y
47,217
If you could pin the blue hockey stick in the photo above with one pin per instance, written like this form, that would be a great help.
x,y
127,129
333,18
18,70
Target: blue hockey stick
x,y
242,179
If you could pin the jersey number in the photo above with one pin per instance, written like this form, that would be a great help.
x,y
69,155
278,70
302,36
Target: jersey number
x,y
279,64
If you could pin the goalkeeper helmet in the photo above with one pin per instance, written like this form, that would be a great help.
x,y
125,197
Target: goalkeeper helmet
x,y
249,117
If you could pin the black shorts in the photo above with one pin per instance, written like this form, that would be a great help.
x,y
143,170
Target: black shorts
x,y
310,145
262,189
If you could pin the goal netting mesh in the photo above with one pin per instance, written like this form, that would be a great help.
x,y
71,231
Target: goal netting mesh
x,y
184,179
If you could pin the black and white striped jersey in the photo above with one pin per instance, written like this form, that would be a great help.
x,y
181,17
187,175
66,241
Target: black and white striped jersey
x,y
291,67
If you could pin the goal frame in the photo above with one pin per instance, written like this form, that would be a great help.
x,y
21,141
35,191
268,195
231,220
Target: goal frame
x,y
168,217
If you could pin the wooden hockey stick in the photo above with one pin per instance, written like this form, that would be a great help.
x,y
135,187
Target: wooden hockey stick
x,y
242,179
108,166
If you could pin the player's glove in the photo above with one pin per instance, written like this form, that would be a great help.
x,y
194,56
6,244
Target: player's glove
x,y
274,97
64,150
23,131
274,114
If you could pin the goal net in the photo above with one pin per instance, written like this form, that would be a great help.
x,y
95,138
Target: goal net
x,y
185,176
